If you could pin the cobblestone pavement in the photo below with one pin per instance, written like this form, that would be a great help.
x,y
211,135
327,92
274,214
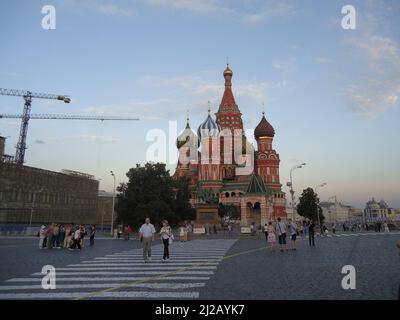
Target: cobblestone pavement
x,y
206,269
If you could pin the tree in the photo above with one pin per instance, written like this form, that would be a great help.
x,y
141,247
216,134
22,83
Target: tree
x,y
152,192
308,204
182,208
228,212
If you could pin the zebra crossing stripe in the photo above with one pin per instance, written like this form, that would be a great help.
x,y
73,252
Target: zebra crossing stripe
x,y
124,275
141,260
94,279
159,256
112,294
157,285
106,273
150,264
154,267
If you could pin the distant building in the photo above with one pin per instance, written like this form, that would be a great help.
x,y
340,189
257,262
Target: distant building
x,y
356,213
379,210
335,211
4,157
104,207
46,196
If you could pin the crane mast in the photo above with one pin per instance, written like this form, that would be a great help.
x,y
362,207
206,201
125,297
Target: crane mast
x,y
27,95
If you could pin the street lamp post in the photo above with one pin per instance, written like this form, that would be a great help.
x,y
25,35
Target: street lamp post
x,y
319,222
33,207
113,202
291,186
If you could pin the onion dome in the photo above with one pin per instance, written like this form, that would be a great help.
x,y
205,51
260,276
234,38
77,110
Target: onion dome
x,y
228,71
264,129
187,137
209,128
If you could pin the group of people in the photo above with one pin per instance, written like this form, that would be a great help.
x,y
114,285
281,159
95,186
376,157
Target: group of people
x,y
376,226
67,236
184,231
280,229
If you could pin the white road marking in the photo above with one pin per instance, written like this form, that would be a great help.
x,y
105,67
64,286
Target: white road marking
x,y
123,273
94,279
191,266
158,267
150,264
112,294
170,286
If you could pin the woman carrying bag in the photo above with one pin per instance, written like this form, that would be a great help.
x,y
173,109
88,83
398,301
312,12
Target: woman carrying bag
x,y
167,237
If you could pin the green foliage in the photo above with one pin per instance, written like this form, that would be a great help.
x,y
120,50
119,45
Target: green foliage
x,y
152,192
228,212
308,204
207,195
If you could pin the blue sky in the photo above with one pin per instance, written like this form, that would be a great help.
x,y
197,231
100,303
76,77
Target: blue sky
x,y
331,94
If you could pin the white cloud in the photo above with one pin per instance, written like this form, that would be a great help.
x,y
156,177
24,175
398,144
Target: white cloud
x,y
322,60
199,6
197,86
289,65
77,137
373,98
102,7
270,9
114,10
381,89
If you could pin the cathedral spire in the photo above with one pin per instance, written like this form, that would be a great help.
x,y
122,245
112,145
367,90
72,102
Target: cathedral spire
x,y
228,102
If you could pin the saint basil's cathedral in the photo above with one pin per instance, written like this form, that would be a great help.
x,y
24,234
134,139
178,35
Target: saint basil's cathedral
x,y
223,167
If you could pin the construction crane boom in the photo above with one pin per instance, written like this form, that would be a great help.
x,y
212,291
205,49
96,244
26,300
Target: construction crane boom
x,y
26,116
65,117
25,93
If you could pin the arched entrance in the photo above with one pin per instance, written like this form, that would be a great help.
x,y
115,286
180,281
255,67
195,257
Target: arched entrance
x,y
253,214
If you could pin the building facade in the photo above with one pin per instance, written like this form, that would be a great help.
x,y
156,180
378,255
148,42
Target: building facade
x,y
335,211
223,167
104,209
378,210
35,195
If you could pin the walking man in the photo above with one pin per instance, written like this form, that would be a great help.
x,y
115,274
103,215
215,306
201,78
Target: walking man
x,y
229,231
76,239
42,235
146,235
92,234
311,239
266,232
281,228
293,232
305,228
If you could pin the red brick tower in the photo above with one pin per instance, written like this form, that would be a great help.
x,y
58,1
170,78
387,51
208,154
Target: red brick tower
x,y
267,165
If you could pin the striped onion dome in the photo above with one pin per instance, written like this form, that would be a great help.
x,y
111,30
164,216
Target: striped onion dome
x,y
264,129
187,137
209,128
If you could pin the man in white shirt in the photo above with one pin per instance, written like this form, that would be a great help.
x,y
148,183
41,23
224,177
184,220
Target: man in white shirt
x,y
293,233
281,228
146,235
